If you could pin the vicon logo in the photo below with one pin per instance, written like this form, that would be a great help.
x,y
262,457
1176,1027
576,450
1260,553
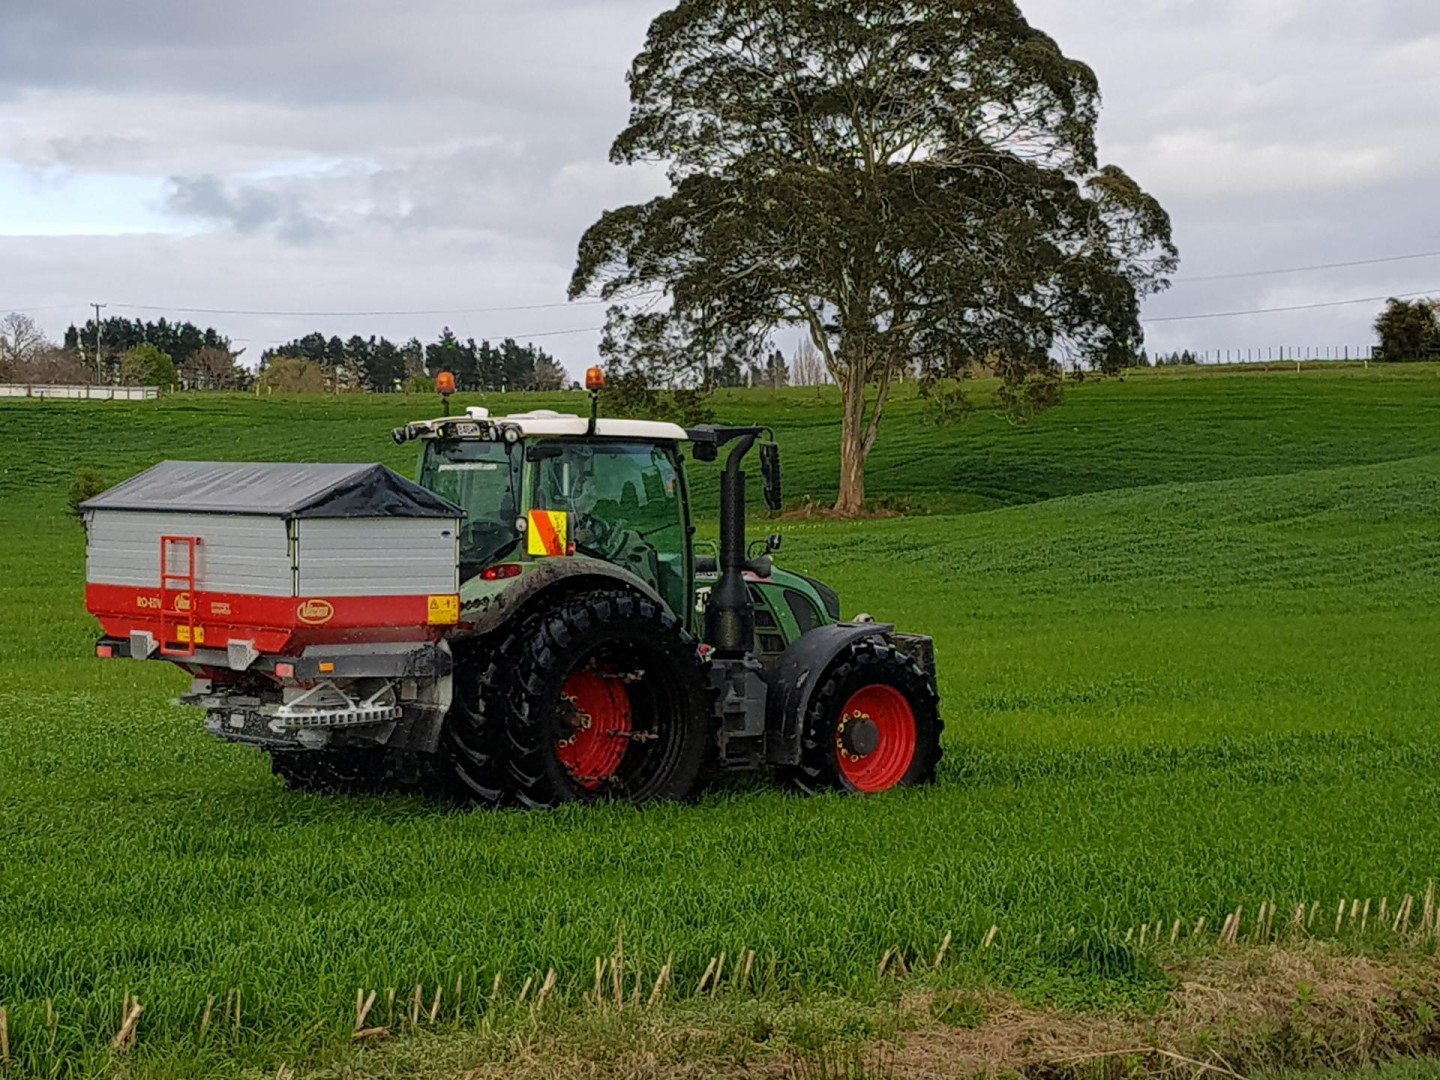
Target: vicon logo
x,y
315,612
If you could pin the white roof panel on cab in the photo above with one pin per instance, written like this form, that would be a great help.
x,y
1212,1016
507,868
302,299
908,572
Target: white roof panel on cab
x,y
546,422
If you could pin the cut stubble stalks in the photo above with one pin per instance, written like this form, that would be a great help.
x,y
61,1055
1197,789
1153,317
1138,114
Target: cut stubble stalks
x,y
617,983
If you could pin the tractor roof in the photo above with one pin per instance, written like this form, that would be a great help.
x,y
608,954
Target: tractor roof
x,y
478,423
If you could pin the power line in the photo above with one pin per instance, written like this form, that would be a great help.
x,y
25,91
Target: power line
x,y
1293,307
592,303
596,329
549,333
1306,269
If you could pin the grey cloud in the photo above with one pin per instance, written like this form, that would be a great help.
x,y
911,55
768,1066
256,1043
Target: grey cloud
x,y
207,197
1296,21
248,209
324,51
492,192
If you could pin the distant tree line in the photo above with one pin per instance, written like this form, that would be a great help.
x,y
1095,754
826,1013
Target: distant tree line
x,y
121,352
378,365
1178,358
130,351
182,355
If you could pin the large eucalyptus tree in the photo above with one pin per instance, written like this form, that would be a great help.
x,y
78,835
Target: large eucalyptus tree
x,y
914,183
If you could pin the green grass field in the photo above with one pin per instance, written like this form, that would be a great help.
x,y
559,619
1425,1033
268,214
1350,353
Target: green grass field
x,y
1188,629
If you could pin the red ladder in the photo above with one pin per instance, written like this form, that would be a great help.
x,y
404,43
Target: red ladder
x,y
175,587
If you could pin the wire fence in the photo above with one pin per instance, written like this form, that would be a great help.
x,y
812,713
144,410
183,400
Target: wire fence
x,y
1266,354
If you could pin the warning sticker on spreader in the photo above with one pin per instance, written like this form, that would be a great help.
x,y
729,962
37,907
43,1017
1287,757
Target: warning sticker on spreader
x,y
444,610
548,532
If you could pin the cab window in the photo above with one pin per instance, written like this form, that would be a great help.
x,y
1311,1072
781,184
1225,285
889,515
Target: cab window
x,y
625,506
480,477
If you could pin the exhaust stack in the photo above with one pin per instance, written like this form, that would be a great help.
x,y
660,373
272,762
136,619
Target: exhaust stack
x,y
730,614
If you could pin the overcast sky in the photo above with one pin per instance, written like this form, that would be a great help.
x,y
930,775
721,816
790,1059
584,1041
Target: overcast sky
x,y
445,155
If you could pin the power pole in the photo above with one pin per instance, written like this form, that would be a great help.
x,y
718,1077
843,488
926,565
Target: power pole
x,y
98,332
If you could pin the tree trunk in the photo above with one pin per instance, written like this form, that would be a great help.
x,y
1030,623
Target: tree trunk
x,y
853,450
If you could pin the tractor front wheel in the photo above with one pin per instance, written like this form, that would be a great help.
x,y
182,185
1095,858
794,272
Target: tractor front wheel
x,y
874,724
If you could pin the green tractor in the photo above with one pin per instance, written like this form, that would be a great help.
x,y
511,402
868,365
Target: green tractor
x,y
594,650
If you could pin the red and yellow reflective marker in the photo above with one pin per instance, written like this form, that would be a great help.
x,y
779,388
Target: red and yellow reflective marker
x,y
549,532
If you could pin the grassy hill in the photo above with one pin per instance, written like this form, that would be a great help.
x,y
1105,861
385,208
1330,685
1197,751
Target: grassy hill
x,y
1187,630
1153,427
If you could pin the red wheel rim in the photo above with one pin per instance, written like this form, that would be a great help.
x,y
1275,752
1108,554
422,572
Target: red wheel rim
x,y
595,715
896,739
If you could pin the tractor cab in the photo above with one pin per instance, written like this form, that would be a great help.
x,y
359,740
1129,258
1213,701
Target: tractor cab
x,y
549,494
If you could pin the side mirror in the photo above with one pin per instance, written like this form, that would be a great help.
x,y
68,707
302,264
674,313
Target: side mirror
x,y
770,471
761,548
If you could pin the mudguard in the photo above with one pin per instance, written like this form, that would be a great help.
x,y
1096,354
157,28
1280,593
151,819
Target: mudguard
x,y
794,679
483,614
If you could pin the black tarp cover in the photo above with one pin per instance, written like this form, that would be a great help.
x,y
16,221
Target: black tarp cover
x,y
275,490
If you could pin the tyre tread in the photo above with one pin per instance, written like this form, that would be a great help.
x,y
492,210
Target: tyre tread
x,y
865,661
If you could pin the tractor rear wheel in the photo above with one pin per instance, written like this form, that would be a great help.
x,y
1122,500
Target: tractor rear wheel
x,y
874,724
609,698
474,728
